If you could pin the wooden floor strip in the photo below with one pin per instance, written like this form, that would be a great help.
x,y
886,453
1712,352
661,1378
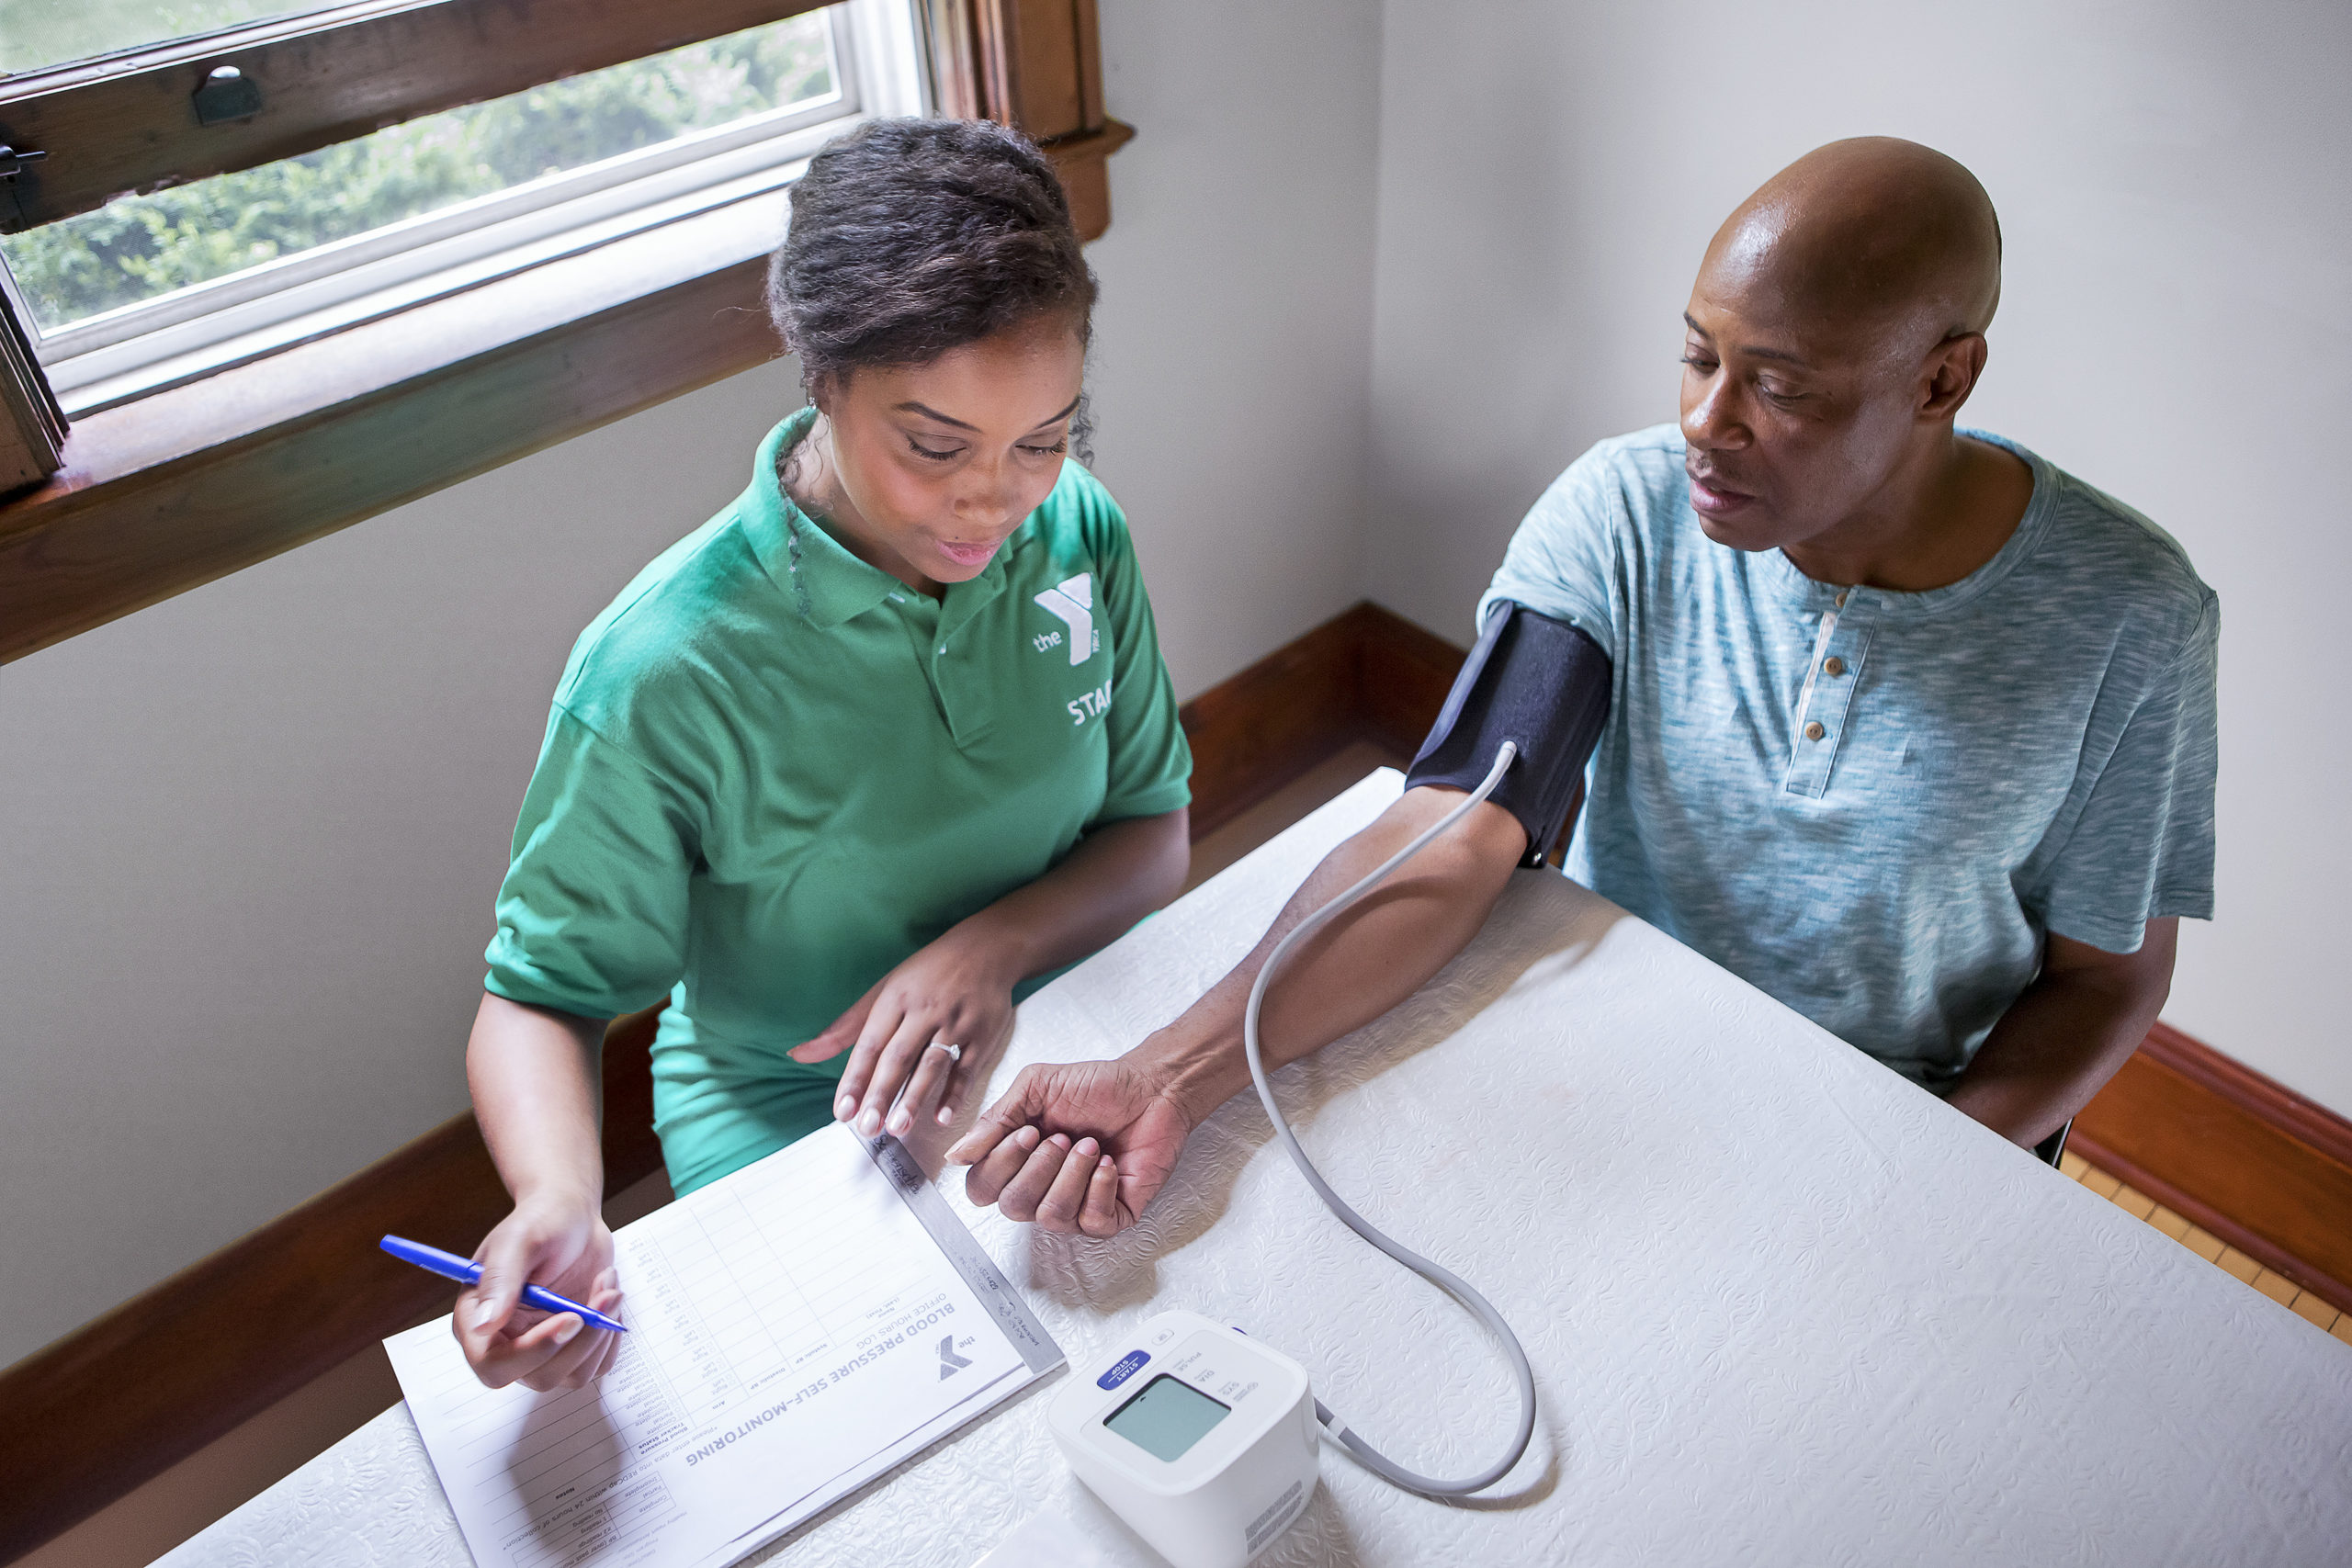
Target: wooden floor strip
x,y
2308,1305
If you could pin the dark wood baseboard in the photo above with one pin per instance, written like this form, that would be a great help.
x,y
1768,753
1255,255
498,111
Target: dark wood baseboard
x,y
115,1403
1365,675
2252,1161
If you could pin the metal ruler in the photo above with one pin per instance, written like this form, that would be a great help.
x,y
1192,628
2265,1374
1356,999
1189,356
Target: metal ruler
x,y
997,1296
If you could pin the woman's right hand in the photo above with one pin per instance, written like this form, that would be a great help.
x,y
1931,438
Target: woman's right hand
x,y
560,1244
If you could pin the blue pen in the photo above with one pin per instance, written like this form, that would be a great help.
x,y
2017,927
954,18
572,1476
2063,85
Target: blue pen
x,y
465,1271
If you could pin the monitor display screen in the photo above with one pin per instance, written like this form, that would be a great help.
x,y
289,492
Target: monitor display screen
x,y
1167,1419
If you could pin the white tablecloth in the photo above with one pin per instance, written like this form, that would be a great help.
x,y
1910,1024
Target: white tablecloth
x,y
1783,1307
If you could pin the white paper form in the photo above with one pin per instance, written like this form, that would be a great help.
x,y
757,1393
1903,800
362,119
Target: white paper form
x,y
793,1331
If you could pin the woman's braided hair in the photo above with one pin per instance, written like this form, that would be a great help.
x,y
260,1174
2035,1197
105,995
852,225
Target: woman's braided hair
x,y
912,237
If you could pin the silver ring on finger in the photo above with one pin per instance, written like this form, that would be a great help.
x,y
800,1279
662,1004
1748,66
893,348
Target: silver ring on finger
x,y
955,1053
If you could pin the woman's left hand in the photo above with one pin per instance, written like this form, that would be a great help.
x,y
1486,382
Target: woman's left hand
x,y
957,991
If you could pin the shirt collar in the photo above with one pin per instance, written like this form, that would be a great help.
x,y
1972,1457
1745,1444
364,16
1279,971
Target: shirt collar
x,y
2041,508
827,583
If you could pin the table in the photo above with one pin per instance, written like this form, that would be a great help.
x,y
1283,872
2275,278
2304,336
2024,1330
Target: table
x,y
1782,1306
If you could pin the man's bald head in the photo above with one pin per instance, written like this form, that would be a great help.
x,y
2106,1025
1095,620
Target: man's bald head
x,y
1836,329
1873,237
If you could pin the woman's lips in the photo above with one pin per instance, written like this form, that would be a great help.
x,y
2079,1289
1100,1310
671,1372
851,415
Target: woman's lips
x,y
975,554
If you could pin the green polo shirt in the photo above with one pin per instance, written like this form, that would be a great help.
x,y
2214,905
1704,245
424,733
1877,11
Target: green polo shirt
x,y
774,772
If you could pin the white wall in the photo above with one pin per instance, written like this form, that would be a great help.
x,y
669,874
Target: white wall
x,y
2172,179
1233,352
251,834
252,837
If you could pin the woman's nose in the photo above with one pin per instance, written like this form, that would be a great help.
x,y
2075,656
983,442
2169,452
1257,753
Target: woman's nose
x,y
990,499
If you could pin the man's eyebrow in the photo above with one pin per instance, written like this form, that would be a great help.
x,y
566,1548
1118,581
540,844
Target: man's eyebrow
x,y
1755,350
928,412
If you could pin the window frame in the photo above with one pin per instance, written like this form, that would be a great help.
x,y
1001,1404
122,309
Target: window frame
x,y
126,122
172,490
137,349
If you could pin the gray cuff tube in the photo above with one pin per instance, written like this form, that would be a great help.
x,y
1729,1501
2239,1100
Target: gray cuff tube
x,y
1535,681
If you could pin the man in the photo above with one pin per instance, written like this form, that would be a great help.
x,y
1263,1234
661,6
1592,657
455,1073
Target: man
x,y
1905,725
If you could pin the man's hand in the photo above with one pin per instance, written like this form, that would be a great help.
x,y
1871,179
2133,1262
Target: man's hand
x,y
1079,1146
955,991
1085,1146
564,1248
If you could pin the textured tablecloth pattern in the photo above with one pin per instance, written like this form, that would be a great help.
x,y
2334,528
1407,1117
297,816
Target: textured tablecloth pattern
x,y
1783,1307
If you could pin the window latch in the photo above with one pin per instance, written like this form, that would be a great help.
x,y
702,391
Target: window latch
x,y
14,159
228,94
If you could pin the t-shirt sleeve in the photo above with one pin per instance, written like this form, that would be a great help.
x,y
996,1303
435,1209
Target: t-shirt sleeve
x,y
1151,765
2142,849
592,918
1562,559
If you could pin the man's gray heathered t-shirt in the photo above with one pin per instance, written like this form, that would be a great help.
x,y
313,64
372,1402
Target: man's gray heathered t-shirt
x,y
2029,748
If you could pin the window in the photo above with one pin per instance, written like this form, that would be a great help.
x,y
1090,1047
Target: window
x,y
325,258
151,291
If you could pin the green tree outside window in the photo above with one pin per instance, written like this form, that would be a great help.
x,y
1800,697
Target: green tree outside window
x,y
140,247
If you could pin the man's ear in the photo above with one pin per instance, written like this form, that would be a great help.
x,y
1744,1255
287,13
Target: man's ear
x,y
1952,370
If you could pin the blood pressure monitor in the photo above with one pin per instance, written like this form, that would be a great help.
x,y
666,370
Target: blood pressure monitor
x,y
1204,1441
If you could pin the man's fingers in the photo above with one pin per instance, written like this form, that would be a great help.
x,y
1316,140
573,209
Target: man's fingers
x,y
1028,1187
1138,1188
1015,1105
1057,1210
1000,1166
1100,1215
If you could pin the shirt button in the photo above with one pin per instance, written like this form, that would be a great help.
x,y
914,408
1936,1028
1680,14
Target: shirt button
x,y
1833,665
942,647
1814,731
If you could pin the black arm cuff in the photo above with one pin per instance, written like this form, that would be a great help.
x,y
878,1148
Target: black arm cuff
x,y
1532,680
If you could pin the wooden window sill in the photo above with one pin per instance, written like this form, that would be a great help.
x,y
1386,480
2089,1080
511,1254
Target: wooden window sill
x,y
191,483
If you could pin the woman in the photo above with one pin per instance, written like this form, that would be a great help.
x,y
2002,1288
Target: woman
x,y
848,764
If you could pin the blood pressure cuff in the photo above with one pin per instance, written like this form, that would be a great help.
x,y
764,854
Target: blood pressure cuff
x,y
1532,680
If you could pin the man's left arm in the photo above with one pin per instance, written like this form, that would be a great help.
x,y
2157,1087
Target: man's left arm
x,y
2067,1034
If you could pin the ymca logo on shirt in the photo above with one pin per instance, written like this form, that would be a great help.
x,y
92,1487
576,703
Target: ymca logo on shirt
x,y
1072,602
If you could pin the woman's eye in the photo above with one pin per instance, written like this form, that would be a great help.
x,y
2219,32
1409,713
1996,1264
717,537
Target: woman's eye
x,y
1055,450
1778,394
923,451
1699,362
